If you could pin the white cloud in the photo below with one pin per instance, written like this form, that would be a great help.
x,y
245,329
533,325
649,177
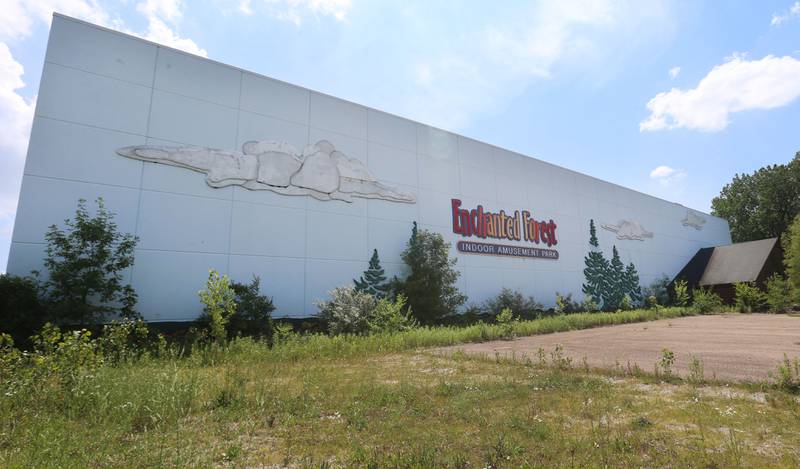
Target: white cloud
x,y
792,12
735,86
667,176
295,11
19,16
477,73
674,72
16,114
160,15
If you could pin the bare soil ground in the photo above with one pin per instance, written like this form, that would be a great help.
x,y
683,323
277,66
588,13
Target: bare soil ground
x,y
737,347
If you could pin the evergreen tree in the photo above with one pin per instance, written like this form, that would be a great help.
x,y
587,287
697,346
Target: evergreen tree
x,y
632,287
615,284
596,268
373,281
431,286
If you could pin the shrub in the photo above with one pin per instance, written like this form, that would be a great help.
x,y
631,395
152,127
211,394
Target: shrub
x,y
85,262
651,302
391,316
526,307
749,298
626,304
658,289
22,313
431,286
565,304
789,374
347,311
218,304
682,297
253,315
505,319
706,301
589,305
128,340
779,293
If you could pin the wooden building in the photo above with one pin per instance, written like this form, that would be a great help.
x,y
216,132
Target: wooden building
x,y
720,268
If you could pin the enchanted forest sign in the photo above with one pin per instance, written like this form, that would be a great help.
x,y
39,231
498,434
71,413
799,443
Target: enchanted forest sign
x,y
519,226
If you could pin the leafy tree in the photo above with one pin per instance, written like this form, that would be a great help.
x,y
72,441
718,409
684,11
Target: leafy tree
x,y
431,286
778,294
374,280
762,204
219,304
85,262
596,268
791,250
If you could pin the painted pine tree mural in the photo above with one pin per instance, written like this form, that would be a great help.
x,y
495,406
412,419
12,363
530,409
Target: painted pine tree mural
x,y
616,287
608,282
632,283
596,268
374,280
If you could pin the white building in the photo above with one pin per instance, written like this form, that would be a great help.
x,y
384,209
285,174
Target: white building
x,y
262,208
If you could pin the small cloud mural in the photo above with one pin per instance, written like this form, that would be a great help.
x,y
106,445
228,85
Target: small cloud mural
x,y
694,220
628,229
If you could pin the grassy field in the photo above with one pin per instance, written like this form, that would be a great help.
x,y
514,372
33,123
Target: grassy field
x,y
382,401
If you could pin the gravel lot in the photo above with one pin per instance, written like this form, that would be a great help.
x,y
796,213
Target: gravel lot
x,y
737,347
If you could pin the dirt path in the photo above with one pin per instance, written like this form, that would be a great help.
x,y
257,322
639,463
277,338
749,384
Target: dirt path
x,y
731,346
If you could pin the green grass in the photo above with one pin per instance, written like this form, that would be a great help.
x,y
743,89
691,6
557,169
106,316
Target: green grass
x,y
384,401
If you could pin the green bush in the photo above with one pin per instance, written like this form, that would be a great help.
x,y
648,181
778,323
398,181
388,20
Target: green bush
x,y
218,305
706,301
778,294
749,299
253,315
565,304
22,313
128,340
658,289
626,304
505,319
589,305
682,297
391,316
348,311
526,307
651,302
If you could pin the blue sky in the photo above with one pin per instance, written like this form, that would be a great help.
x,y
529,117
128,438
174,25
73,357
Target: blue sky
x,y
671,98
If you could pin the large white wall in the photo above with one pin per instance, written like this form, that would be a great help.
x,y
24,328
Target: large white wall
x,y
102,90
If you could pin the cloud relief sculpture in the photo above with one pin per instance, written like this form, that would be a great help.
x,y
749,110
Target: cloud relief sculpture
x,y
628,229
320,170
694,220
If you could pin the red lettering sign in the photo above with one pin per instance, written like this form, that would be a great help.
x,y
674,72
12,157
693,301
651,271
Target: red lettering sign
x,y
518,227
